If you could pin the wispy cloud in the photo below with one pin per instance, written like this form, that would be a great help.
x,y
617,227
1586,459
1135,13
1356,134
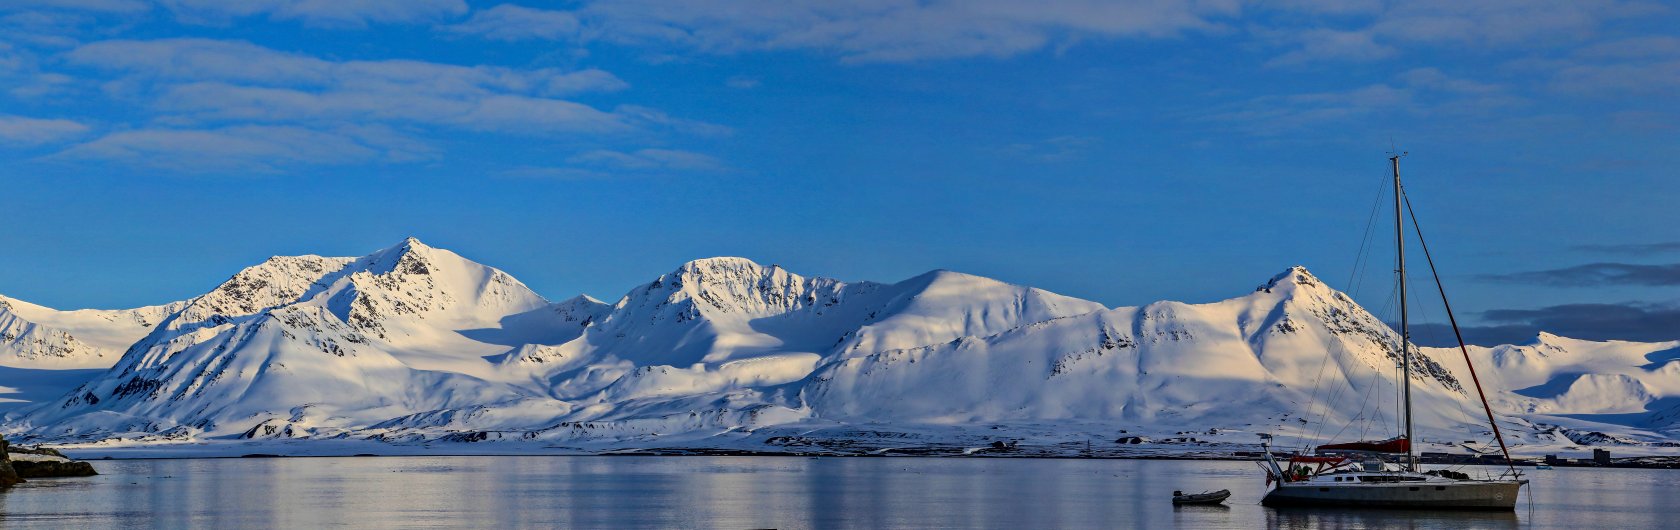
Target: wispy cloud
x,y
508,22
1320,44
1639,65
339,13
212,80
603,164
650,160
1596,274
255,149
106,6
1056,149
742,82
25,131
1369,30
1418,92
1636,249
555,173
883,31
243,62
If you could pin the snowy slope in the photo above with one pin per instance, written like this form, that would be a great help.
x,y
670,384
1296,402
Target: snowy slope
x,y
1166,364
32,336
723,326
332,343
414,344
1579,390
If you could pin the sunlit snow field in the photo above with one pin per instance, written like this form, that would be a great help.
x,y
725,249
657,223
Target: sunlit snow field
x,y
756,492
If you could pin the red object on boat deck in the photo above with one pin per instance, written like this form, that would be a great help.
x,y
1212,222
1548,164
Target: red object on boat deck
x,y
1398,444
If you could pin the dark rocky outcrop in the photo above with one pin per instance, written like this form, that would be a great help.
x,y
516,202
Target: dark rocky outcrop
x,y
13,471
74,468
8,477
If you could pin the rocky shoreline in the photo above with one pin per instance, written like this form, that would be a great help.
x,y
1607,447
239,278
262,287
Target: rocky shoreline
x,y
18,464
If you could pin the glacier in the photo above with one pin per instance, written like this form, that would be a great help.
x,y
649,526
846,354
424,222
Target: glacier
x,y
414,348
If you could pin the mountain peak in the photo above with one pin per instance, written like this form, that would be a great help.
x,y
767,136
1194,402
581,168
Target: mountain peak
x,y
949,275
582,299
717,263
1294,275
408,244
410,256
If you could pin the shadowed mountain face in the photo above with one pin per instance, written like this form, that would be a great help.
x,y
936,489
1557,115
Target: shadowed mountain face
x,y
418,343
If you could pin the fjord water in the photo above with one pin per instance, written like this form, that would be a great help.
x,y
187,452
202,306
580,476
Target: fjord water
x,y
755,492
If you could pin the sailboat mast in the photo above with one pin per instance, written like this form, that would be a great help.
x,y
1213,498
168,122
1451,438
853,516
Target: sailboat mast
x,y
1405,335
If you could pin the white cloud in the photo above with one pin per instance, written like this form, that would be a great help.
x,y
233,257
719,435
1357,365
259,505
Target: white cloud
x,y
1640,65
107,6
340,13
906,30
1366,32
859,31
222,80
508,22
1420,92
25,131
603,164
258,149
742,82
236,106
556,173
1056,149
22,77
1501,23
1315,45
1649,47
1434,78
1616,79
650,159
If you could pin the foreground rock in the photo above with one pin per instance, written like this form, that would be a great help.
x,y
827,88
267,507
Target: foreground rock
x,y
19,463
41,466
8,477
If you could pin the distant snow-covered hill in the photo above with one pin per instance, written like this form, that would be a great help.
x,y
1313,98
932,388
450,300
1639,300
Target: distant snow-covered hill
x,y
32,336
417,344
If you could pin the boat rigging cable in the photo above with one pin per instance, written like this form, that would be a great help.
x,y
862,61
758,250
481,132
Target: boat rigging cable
x,y
1370,389
1463,414
1460,336
1356,281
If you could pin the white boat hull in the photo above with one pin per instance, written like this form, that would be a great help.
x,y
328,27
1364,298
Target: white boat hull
x,y
1458,495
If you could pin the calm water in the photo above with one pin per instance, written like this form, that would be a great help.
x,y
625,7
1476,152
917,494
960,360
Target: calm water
x,y
749,492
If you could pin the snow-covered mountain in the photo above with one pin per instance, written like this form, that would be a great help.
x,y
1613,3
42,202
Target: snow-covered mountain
x,y
323,342
32,336
414,343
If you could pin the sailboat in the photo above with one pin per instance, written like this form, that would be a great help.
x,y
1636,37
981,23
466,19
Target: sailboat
x,y
1332,478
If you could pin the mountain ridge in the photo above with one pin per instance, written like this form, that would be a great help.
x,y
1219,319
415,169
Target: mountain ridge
x,y
415,343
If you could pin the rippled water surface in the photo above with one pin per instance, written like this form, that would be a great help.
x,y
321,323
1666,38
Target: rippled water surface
x,y
756,492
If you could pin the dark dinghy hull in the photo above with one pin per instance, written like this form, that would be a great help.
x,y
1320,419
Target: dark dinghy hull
x,y
1214,497
1478,495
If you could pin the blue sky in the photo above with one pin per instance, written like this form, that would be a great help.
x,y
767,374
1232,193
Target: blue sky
x,y
1123,152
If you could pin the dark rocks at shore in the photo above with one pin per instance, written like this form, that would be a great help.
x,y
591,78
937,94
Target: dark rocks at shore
x,y
74,468
14,471
8,476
